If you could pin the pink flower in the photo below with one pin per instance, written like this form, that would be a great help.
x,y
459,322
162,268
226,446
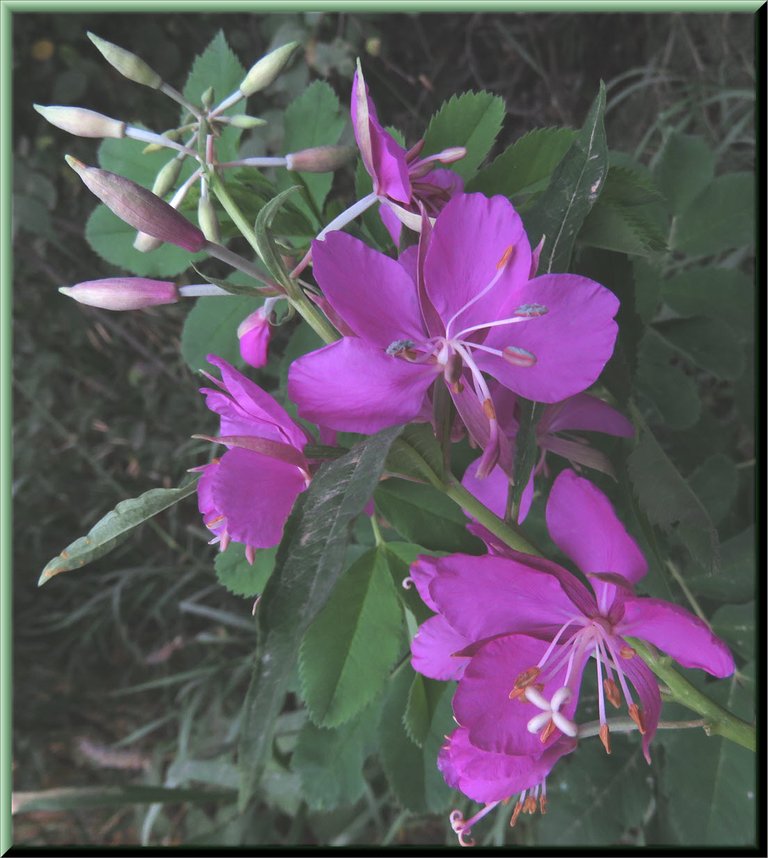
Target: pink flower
x,y
247,495
123,293
254,333
459,306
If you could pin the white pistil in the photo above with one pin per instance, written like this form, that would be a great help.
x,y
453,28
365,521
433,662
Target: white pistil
x,y
494,280
349,215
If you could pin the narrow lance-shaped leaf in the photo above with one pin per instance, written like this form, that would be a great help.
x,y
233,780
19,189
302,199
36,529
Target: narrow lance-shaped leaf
x,y
309,561
266,245
575,186
116,525
526,448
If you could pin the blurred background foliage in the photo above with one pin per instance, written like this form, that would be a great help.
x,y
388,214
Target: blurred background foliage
x,y
141,661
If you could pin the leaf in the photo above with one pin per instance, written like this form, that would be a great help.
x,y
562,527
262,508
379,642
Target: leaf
x,y
723,294
218,67
352,644
675,394
593,799
330,762
736,578
622,229
686,167
526,164
708,783
716,483
708,343
412,771
78,798
113,240
425,516
575,185
423,700
236,573
667,499
472,120
211,328
399,556
127,158
268,250
309,561
736,625
720,218
526,449
417,454
313,119
114,527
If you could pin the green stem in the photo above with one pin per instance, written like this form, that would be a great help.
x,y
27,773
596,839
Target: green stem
x,y
719,721
507,533
319,324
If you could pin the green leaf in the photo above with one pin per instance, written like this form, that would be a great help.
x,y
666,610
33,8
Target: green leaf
x,y
708,343
417,454
309,560
622,229
686,167
736,625
720,218
472,120
79,798
716,482
352,644
236,573
114,527
593,798
559,212
399,556
526,164
724,294
211,328
675,394
708,783
736,579
425,516
412,771
113,240
218,67
526,449
330,762
268,250
423,700
667,499
315,118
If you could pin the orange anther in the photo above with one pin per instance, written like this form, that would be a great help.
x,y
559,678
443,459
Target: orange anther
x,y
505,257
530,805
488,409
605,738
547,731
542,804
515,814
637,716
612,693
626,652
527,676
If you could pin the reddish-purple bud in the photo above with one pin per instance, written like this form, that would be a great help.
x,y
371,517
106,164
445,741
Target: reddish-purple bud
x,y
139,207
123,293
254,334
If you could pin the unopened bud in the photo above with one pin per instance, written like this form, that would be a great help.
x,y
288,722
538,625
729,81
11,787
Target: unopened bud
x,y
167,176
448,156
267,69
206,99
242,120
128,64
123,293
139,207
84,123
320,159
146,243
206,217
254,333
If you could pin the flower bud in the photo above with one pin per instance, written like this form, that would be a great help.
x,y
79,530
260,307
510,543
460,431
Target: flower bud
x,y
242,120
123,293
267,69
84,123
139,207
146,243
167,176
320,159
206,99
254,334
128,64
206,217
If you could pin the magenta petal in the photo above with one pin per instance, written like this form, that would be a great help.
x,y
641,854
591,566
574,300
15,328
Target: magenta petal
x,y
254,334
372,293
433,648
486,596
491,491
470,239
256,494
587,413
584,526
392,223
422,573
678,633
487,777
482,702
354,387
647,688
572,342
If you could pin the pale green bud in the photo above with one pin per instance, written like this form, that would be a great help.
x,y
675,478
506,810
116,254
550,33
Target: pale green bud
x,y
167,176
128,64
206,99
267,69
244,121
206,217
320,159
84,123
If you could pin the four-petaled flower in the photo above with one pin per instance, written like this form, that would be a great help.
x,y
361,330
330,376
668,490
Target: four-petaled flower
x,y
247,494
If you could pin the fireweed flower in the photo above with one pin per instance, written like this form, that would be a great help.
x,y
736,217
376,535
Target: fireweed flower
x,y
254,334
579,413
247,494
459,306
